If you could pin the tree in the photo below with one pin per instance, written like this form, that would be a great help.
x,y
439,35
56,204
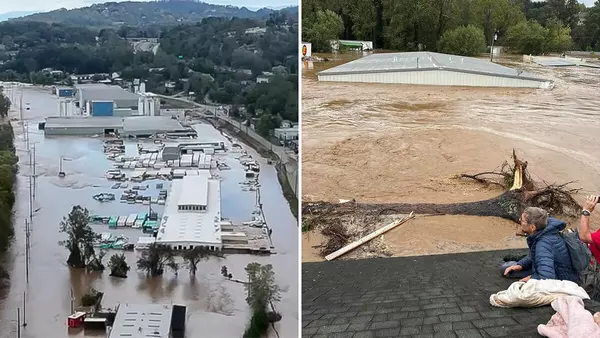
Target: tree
x,y
226,272
154,260
261,292
4,104
558,37
118,266
320,30
527,37
194,256
80,237
464,40
520,191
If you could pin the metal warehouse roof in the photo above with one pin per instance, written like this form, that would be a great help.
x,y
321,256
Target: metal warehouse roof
x,y
107,122
143,320
134,124
421,61
100,92
554,62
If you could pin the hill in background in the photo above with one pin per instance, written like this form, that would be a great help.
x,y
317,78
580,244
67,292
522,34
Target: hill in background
x,y
146,13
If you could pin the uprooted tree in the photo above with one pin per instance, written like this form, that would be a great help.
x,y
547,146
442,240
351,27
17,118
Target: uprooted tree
x,y
80,240
520,191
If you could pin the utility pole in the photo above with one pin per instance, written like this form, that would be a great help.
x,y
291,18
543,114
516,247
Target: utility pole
x,y
492,47
27,245
18,322
24,302
34,176
30,198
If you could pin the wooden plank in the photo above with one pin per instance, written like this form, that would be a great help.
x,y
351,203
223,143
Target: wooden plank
x,y
367,238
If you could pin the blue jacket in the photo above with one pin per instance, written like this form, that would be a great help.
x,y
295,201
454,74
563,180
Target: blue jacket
x,y
549,256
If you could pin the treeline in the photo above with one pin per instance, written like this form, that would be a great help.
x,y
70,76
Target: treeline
x,y
8,171
218,59
449,25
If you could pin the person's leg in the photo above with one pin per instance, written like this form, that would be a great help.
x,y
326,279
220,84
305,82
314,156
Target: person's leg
x,y
514,274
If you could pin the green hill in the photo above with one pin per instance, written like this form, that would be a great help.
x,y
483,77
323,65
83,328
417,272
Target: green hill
x,y
145,14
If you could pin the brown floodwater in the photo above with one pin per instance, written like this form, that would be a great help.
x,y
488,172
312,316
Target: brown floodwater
x,y
404,143
214,305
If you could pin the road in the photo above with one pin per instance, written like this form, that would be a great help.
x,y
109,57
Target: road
x,y
286,156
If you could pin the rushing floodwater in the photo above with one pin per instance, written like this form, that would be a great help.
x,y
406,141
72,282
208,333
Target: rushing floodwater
x,y
404,143
214,305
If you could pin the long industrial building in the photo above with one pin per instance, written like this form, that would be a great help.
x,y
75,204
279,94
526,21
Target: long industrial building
x,y
192,214
97,99
427,68
133,126
149,320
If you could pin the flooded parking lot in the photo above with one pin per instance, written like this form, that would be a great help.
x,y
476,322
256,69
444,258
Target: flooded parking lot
x,y
213,303
403,143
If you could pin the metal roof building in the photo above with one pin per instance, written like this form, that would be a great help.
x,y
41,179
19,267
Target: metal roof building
x,y
192,214
148,321
102,92
427,68
135,126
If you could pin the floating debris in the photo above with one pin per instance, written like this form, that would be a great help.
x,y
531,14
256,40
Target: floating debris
x,y
104,197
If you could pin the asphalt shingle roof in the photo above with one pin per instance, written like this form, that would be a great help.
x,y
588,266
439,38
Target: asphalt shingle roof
x,y
425,296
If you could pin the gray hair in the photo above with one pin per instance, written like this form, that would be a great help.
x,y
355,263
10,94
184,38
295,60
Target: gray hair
x,y
536,216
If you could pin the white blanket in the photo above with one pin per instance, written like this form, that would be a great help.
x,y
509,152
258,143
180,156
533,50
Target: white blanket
x,y
536,293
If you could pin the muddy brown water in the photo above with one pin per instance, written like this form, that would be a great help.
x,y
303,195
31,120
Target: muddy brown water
x,y
404,143
213,304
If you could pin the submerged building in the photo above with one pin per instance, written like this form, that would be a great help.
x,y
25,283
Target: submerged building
x,y
132,126
427,68
149,320
192,214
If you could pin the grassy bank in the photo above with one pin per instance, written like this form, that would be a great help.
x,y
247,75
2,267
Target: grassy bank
x,y
8,172
288,192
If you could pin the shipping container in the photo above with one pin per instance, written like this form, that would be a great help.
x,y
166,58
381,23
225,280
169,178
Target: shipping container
x,y
102,108
66,92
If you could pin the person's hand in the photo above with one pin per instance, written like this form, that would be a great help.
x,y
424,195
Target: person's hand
x,y
524,280
512,268
590,203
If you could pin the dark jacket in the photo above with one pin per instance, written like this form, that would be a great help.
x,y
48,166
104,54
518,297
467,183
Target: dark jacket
x,y
548,254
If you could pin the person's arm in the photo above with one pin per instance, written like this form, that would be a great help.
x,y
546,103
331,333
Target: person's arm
x,y
525,262
585,234
544,260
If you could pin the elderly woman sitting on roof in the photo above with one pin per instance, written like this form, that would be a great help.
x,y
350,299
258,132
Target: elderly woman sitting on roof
x,y
548,254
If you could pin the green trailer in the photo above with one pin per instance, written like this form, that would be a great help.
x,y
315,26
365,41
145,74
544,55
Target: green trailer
x,y
112,222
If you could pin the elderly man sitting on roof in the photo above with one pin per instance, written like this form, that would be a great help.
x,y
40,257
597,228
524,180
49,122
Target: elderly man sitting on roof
x,y
548,254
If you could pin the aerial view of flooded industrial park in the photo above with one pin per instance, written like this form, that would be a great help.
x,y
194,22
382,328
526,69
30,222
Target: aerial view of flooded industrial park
x,y
162,216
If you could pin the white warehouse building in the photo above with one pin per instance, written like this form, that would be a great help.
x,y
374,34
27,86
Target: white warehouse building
x,y
192,214
427,68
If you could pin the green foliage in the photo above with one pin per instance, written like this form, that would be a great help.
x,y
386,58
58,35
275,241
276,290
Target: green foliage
x,y
118,266
4,105
410,25
133,13
261,291
272,102
91,298
195,256
154,260
464,40
80,239
532,38
321,27
220,61
8,172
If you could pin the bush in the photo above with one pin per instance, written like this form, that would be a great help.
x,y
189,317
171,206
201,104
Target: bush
x,y
529,37
464,40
